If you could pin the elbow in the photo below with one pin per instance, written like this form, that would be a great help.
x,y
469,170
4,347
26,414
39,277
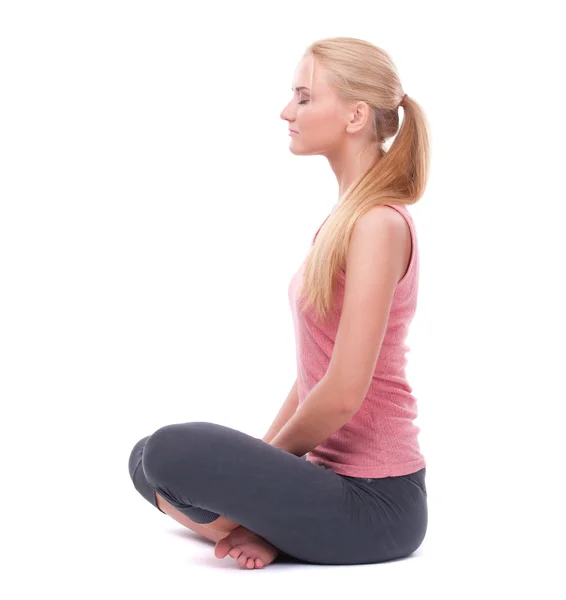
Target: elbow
x,y
353,407
348,398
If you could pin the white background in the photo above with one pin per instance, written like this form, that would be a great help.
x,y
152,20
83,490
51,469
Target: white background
x,y
151,218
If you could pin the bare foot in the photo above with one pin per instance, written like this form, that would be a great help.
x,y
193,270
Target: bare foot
x,y
251,550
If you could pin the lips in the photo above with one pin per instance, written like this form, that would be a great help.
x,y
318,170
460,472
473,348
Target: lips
x,y
293,131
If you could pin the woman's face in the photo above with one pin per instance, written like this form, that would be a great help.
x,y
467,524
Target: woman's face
x,y
316,114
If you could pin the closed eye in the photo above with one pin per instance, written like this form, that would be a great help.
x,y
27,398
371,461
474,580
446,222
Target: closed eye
x,y
303,101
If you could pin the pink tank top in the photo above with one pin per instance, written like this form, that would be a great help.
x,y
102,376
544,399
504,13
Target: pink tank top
x,y
380,440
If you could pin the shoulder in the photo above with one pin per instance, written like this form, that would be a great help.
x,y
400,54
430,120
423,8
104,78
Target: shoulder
x,y
381,226
382,217
380,236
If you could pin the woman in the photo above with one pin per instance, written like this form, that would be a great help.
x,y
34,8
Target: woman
x,y
339,477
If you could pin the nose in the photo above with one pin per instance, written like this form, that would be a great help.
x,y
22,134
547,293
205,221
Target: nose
x,y
284,114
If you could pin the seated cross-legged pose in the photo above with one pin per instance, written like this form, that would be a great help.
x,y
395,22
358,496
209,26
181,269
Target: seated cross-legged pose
x,y
339,477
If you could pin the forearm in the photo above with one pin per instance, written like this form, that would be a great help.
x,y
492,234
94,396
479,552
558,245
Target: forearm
x,y
323,412
285,413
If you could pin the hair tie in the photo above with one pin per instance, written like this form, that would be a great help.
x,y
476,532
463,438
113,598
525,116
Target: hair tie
x,y
402,103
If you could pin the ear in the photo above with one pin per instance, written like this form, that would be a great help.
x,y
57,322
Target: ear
x,y
360,114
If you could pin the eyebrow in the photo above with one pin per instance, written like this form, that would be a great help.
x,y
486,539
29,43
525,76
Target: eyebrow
x,y
301,87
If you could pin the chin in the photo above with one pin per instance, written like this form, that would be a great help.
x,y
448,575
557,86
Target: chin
x,y
296,152
299,152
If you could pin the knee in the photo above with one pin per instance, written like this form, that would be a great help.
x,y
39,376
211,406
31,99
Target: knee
x,y
137,474
136,456
171,445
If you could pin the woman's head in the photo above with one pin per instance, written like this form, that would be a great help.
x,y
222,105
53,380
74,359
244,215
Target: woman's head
x,y
351,108
339,89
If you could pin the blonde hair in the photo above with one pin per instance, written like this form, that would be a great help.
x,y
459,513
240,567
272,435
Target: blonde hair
x,y
358,70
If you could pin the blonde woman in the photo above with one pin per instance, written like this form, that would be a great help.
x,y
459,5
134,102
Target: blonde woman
x,y
339,477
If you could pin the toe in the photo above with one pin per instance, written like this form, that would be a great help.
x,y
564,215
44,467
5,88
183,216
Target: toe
x,y
235,552
221,548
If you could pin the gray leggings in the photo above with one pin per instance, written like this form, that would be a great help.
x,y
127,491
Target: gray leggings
x,y
308,511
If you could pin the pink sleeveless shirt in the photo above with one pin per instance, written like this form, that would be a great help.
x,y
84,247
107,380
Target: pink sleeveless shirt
x,y
380,440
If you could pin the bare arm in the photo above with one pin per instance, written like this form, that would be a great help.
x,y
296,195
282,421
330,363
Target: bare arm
x,y
286,411
324,411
